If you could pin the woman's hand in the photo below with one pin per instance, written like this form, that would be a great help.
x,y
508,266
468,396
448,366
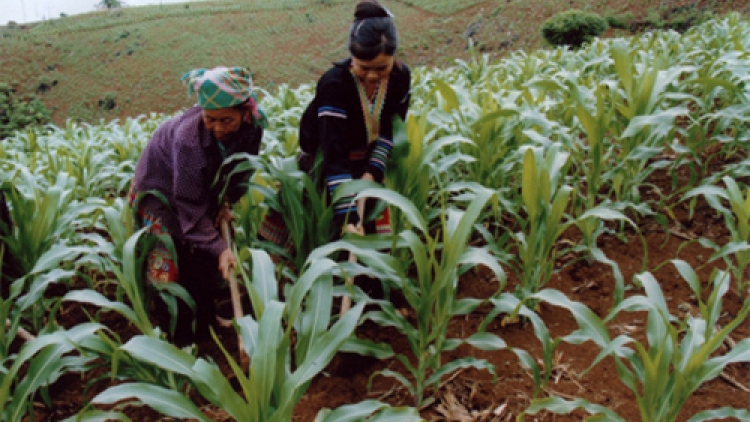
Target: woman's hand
x,y
224,214
227,262
356,229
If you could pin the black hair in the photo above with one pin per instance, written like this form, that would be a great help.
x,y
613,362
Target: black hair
x,y
373,31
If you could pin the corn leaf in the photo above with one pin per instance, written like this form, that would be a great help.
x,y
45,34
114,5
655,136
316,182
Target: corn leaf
x,y
164,401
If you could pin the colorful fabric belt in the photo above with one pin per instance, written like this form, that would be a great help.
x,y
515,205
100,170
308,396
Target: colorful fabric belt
x,y
162,266
358,155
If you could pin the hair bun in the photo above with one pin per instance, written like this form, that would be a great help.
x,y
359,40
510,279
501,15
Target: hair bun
x,y
370,9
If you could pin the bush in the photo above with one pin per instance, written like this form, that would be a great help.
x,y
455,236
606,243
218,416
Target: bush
x,y
109,102
622,20
17,114
573,28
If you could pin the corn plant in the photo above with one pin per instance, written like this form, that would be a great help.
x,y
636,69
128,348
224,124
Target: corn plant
x,y
678,357
279,372
297,191
42,215
705,128
115,218
735,253
248,212
589,209
509,304
43,241
248,209
545,199
431,291
717,98
132,285
644,82
45,358
495,135
417,161
370,411
592,165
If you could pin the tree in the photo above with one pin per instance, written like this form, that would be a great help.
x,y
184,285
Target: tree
x,y
110,4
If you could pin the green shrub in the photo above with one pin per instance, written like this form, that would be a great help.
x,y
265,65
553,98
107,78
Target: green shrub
x,y
621,20
110,4
654,20
17,113
573,28
109,102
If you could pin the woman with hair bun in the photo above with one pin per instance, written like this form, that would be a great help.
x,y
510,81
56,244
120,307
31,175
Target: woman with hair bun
x,y
350,117
355,102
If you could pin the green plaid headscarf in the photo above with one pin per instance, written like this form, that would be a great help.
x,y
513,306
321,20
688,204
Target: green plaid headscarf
x,y
220,87
224,87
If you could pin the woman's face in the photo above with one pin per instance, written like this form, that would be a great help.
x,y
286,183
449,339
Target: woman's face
x,y
223,122
371,72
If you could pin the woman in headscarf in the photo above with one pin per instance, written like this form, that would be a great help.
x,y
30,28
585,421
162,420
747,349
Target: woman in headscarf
x,y
350,117
173,190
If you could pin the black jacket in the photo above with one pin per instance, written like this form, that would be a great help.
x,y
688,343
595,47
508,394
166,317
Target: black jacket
x,y
339,123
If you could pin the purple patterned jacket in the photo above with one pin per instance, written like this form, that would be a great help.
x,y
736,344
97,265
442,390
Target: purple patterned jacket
x,y
181,162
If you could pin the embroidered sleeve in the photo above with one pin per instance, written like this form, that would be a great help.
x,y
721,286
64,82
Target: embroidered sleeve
x,y
346,205
379,157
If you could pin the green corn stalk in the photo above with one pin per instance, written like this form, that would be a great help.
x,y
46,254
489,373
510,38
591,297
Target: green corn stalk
x,y
647,127
249,211
47,358
104,352
309,229
509,304
494,141
545,200
418,159
132,284
703,131
43,239
679,355
595,127
608,212
370,411
736,253
117,221
278,375
41,215
437,257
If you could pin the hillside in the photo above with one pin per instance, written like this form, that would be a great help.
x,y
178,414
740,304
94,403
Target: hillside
x,y
127,62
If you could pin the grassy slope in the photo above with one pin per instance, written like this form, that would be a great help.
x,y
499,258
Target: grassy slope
x,y
136,55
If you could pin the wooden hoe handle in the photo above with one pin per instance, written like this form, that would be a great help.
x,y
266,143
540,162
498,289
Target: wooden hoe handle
x,y
235,293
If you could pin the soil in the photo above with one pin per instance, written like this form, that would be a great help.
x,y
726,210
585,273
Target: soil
x,y
473,395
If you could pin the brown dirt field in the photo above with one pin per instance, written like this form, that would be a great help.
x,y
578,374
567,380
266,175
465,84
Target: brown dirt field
x,y
472,392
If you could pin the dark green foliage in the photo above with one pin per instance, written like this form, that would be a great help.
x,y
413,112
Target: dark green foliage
x,y
111,4
622,20
45,84
17,113
108,102
683,18
573,28
10,29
